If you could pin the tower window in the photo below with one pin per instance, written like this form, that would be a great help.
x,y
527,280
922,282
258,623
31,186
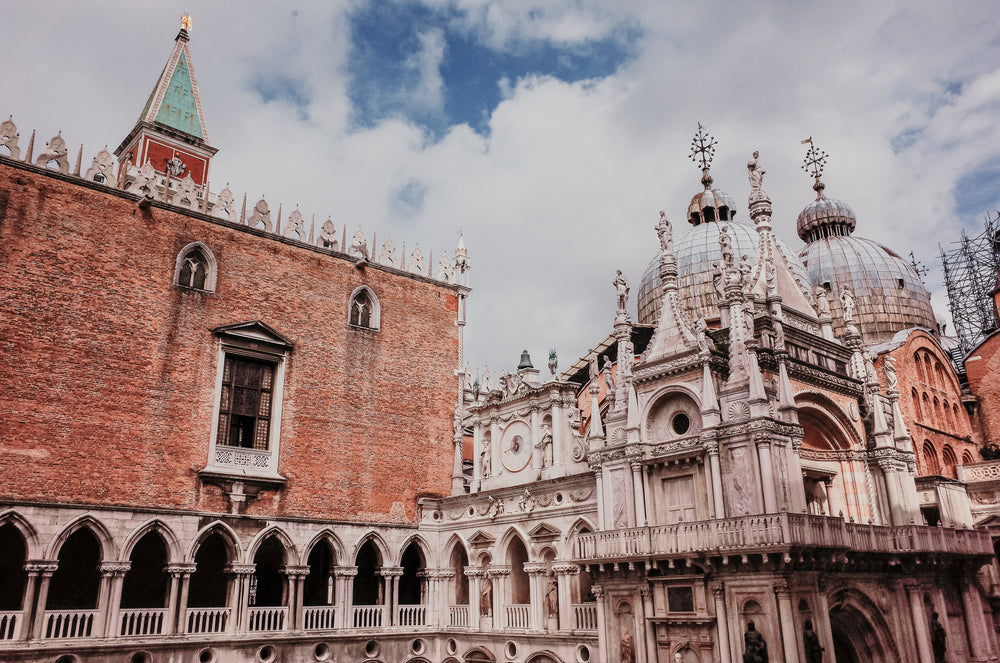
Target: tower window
x,y
365,310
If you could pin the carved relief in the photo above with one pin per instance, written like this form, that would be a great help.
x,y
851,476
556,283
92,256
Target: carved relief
x,y
620,504
739,411
742,477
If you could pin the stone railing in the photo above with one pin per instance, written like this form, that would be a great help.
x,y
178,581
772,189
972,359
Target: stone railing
x,y
317,618
271,618
368,616
143,621
411,615
207,620
69,624
988,470
10,624
518,615
585,616
775,532
458,615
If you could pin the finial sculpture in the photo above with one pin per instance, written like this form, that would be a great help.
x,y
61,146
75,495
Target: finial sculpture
x,y
621,286
756,175
703,149
813,164
186,22
665,232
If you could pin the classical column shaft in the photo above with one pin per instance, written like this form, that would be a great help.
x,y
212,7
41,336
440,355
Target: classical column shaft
x,y
919,623
602,626
973,608
722,624
28,606
182,603
785,615
821,620
343,596
557,436
640,502
767,476
43,597
117,580
567,618
648,639
599,490
715,470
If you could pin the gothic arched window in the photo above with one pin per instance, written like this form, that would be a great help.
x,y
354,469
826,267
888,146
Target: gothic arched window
x,y
364,310
195,268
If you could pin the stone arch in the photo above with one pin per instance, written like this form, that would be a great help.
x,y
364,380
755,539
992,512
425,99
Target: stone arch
x,y
227,533
104,538
186,276
931,463
860,632
544,656
413,560
369,314
26,529
328,535
948,461
967,458
479,655
827,425
502,545
161,528
377,541
425,550
457,558
660,415
516,554
290,550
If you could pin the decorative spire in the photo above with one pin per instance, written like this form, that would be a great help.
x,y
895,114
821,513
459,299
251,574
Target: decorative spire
x,y
186,22
703,149
813,164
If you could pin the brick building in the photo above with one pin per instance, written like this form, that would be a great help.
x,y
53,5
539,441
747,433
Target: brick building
x,y
232,436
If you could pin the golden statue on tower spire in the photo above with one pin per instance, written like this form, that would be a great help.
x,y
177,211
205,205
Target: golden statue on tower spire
x,y
186,22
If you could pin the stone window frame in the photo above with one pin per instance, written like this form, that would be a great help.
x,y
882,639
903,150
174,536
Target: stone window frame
x,y
211,267
253,340
375,318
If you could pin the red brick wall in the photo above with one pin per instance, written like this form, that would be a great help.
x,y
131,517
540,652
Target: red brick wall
x,y
109,370
982,367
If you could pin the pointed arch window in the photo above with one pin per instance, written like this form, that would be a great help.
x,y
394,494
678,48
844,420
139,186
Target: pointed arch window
x,y
196,268
364,309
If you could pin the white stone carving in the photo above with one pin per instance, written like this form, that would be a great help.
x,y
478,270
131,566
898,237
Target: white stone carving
x,y
261,216
9,136
446,270
186,193
100,169
417,261
619,503
328,236
389,256
224,201
359,245
55,150
296,227
145,181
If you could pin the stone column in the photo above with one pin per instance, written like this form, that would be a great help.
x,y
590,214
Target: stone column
x,y
477,446
537,575
785,615
239,600
180,578
565,572
475,596
344,575
500,576
919,621
558,452
767,474
392,575
41,572
821,619
599,492
602,625
979,643
648,628
296,582
897,502
109,598
722,622
640,501
714,468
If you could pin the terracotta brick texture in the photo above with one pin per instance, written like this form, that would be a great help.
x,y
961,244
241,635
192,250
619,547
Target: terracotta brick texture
x,y
109,369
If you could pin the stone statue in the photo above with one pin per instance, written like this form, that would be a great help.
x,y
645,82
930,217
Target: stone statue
x,y
717,280
847,301
552,597
527,502
756,175
938,637
726,246
666,235
592,363
495,507
745,269
754,646
810,640
544,446
486,598
822,303
485,383
890,372
771,277
553,361
626,647
484,459
621,286
705,344
609,381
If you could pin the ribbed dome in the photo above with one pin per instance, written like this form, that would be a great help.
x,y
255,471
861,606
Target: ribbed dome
x,y
888,294
711,205
696,252
825,217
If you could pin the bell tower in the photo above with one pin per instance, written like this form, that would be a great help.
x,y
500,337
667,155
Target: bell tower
x,y
170,135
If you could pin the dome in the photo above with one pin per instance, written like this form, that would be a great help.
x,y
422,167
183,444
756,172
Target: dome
x,y
711,205
825,217
888,293
696,252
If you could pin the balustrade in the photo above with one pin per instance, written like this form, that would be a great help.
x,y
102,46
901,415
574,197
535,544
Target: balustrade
x,y
9,622
412,615
207,620
368,616
585,616
458,615
145,621
518,615
69,624
316,618
271,618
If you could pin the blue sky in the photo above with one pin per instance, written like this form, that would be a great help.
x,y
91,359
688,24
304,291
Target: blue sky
x,y
549,132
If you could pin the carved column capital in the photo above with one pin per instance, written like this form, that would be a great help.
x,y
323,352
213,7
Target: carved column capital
x,y
114,568
718,589
295,571
782,590
41,566
345,571
565,569
535,568
498,570
598,591
179,570
473,572
390,571
644,591
711,446
241,569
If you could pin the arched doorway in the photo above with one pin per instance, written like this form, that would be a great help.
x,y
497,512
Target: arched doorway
x,y
860,634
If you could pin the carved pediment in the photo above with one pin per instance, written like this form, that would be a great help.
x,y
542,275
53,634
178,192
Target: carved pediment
x,y
253,331
544,532
481,540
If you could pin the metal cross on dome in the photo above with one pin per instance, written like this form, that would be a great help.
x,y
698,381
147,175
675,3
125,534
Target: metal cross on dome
x,y
703,148
815,159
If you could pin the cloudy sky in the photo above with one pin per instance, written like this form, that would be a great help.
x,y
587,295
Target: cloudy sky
x,y
549,132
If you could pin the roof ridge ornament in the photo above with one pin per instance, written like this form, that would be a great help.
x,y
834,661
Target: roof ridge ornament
x,y
186,22
813,164
703,149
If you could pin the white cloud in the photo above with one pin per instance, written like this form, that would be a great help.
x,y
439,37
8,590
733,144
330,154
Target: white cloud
x,y
429,92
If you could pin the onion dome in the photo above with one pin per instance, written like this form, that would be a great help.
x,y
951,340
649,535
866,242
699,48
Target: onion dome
x,y
888,293
711,205
696,253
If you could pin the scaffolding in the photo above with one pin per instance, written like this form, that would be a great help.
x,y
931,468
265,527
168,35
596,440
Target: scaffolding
x,y
970,274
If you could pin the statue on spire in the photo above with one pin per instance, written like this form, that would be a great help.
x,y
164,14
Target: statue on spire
x,y
756,175
621,286
186,22
665,233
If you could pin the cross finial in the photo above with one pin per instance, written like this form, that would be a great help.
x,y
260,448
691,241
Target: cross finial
x,y
815,159
703,148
